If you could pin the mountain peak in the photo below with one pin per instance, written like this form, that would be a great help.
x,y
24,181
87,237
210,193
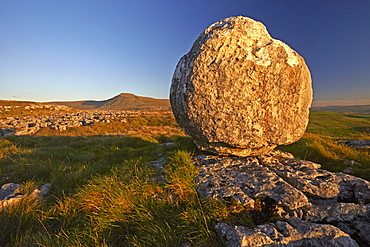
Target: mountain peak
x,y
122,101
126,94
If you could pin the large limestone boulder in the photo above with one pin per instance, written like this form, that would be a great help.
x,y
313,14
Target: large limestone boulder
x,y
239,91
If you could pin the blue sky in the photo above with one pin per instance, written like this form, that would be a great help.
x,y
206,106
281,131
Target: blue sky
x,y
96,49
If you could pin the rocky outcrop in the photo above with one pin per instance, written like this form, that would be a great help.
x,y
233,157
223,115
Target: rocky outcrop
x,y
329,208
294,233
245,180
308,178
239,91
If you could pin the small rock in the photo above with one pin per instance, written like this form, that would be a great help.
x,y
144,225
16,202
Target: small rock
x,y
7,132
10,197
159,163
169,144
348,170
351,163
40,192
8,190
355,143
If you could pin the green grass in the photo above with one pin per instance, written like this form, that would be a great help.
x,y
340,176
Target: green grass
x,y
106,193
339,125
323,131
104,196
322,149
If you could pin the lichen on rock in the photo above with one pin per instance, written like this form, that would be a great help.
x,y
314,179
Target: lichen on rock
x,y
239,91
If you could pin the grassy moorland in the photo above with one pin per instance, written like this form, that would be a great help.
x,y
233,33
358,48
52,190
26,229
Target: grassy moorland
x,y
324,130
338,125
105,191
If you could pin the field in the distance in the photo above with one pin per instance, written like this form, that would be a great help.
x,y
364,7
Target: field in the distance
x,y
105,191
319,142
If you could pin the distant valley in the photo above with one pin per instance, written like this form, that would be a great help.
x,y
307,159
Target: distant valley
x,y
123,101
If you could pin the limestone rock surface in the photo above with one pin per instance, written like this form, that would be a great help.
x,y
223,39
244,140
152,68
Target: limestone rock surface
x,y
291,189
239,91
294,233
245,180
9,195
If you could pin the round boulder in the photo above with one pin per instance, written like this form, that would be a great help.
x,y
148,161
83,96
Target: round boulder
x,y
239,91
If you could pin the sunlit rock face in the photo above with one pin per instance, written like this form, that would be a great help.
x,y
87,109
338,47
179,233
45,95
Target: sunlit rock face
x,y
239,91
319,208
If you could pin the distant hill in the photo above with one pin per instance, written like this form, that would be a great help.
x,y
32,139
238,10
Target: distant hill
x,y
123,101
353,109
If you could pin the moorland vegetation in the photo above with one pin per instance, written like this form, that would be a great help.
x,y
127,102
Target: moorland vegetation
x,y
106,191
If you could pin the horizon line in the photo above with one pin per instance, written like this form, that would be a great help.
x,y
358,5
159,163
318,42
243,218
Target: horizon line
x,y
318,103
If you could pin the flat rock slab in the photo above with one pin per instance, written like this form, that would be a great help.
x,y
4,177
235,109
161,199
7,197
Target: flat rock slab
x,y
244,179
308,178
294,233
294,189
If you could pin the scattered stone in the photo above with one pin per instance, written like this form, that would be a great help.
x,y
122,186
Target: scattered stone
x,y
7,132
239,91
352,164
169,144
8,191
41,192
9,195
159,163
29,125
355,143
348,170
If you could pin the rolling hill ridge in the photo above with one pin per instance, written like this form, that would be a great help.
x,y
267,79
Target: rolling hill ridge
x,y
123,101
353,109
